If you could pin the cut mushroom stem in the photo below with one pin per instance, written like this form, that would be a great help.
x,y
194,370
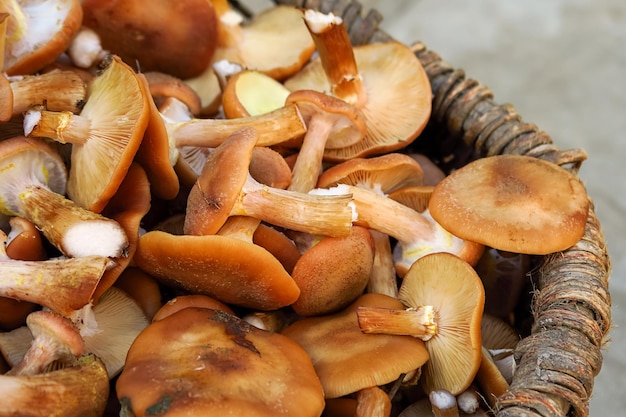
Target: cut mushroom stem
x,y
417,322
55,338
329,215
443,403
73,230
336,54
63,127
63,285
275,127
86,379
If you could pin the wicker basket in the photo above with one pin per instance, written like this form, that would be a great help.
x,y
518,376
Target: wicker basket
x,y
560,354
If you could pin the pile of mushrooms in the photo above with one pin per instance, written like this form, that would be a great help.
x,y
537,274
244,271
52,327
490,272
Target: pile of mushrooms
x,y
216,217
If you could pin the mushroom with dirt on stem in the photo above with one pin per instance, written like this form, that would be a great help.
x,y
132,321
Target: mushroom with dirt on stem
x,y
444,301
105,136
32,186
85,378
63,285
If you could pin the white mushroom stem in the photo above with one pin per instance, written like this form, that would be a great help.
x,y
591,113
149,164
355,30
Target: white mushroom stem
x,y
47,394
334,47
75,231
275,127
417,322
63,126
54,338
86,50
330,215
468,401
443,403
383,276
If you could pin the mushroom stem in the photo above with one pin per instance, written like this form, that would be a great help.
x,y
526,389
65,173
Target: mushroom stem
x,y
383,276
86,379
63,126
56,90
308,164
417,322
329,215
373,402
63,285
334,47
54,338
74,230
443,403
274,127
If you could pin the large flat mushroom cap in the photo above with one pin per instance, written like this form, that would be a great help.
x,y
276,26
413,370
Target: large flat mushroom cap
x,y
514,203
347,359
118,110
207,362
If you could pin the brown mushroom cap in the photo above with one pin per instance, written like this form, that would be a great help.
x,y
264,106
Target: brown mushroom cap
x,y
208,362
177,38
333,273
348,360
513,203
231,270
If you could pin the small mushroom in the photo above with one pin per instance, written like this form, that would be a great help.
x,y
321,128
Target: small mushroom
x,y
175,38
333,273
251,92
346,359
450,326
37,33
32,186
46,394
384,80
24,241
105,136
190,300
207,362
55,338
513,203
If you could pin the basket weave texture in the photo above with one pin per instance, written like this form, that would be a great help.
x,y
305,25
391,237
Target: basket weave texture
x,y
570,307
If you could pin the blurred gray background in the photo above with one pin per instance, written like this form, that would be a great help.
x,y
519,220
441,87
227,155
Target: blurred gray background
x,y
562,64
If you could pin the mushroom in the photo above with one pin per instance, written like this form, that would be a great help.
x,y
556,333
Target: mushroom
x,y
347,360
515,203
443,403
4,22
327,119
207,362
384,80
32,185
372,402
142,288
56,90
183,47
63,285
85,379
226,188
85,50
382,174
24,241
105,136
232,270
37,33
251,92
333,273
55,338
190,300
417,233
444,298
